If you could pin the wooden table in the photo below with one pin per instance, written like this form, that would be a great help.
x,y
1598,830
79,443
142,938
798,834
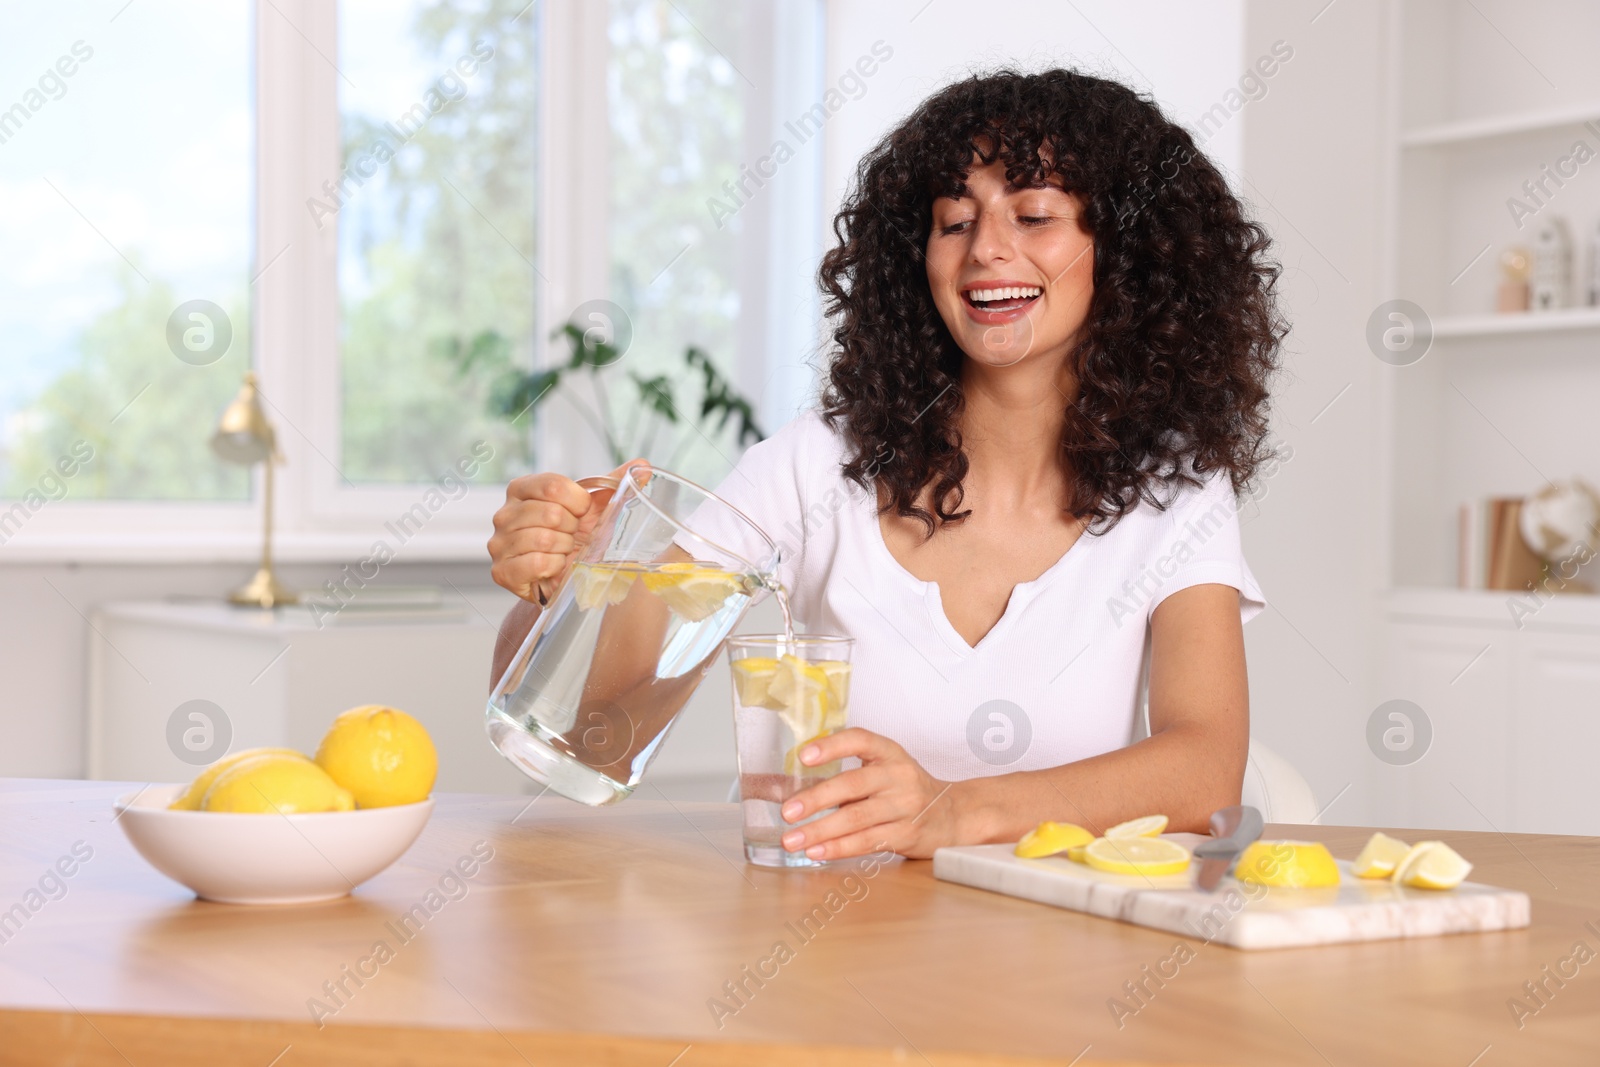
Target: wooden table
x,y
604,937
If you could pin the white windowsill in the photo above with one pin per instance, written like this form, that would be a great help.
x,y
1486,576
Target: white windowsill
x,y
224,547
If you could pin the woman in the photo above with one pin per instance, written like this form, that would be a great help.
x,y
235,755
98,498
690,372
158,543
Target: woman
x,y
1054,333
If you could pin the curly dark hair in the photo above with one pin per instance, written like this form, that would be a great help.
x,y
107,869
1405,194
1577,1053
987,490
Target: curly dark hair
x,y
1182,335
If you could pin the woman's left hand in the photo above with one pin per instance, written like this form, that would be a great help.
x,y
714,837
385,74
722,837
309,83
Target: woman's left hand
x,y
888,803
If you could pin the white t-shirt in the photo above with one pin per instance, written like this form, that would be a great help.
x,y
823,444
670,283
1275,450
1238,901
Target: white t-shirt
x,y
1058,677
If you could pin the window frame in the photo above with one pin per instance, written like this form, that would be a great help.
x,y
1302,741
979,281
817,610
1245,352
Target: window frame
x,y
295,304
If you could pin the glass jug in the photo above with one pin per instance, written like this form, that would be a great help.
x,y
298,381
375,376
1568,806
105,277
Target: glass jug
x,y
632,629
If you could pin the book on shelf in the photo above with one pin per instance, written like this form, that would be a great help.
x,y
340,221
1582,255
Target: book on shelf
x,y
1491,552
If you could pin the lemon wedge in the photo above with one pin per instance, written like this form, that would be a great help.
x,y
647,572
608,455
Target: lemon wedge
x,y
798,692
1049,838
594,584
838,674
1379,857
1146,826
751,678
694,591
1287,865
1076,852
1431,865
1147,856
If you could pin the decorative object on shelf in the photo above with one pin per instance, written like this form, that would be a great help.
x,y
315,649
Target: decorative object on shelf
x,y
245,436
1559,523
1552,266
1516,264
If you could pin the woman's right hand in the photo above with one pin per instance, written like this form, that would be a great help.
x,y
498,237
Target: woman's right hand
x,y
547,518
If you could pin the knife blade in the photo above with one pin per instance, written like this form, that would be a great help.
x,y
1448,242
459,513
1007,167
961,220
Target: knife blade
x,y
1233,830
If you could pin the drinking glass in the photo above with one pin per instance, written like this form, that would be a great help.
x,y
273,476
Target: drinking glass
x,y
787,692
632,629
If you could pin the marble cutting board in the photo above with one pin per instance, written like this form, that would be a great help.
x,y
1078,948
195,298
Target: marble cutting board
x,y
1238,915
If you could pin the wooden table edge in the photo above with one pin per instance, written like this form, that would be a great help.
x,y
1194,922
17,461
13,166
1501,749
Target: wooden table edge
x,y
116,1040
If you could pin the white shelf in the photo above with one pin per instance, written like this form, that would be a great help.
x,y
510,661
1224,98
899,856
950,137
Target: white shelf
x,y
1492,607
1517,322
1468,130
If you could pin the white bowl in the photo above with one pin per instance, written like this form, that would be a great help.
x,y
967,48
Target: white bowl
x,y
267,859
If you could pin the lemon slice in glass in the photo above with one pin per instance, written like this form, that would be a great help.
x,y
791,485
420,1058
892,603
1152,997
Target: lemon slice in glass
x,y
838,674
752,676
694,591
798,692
1287,865
1432,865
1050,838
1148,856
1379,858
1146,826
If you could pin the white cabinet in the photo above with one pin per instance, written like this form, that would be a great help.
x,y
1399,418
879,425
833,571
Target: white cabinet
x,y
1554,740
1514,712
277,678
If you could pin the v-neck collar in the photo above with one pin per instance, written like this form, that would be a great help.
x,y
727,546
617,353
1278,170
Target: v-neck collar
x,y
1022,593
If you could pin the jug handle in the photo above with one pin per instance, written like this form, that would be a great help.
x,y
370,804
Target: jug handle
x,y
599,483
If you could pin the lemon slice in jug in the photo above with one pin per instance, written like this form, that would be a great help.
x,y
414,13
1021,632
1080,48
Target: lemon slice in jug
x,y
694,591
594,584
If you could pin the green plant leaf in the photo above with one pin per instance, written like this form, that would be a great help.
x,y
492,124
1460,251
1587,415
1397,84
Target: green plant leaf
x,y
515,394
655,394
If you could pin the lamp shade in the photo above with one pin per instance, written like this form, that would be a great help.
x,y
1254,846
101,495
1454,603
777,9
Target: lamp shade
x,y
243,433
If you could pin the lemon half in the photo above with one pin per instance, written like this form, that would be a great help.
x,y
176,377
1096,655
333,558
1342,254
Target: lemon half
x,y
1287,865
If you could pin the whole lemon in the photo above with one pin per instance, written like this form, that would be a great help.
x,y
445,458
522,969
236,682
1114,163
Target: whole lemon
x,y
192,797
382,755
276,784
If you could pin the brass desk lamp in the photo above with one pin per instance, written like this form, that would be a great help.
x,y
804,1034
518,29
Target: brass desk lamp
x,y
245,436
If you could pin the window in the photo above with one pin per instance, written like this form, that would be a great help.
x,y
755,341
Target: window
x,y
124,301
438,115
383,207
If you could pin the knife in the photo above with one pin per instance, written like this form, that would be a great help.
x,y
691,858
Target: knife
x,y
1233,830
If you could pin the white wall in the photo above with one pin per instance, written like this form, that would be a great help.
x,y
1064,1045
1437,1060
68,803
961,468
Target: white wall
x,y
1187,66
1305,155
1313,165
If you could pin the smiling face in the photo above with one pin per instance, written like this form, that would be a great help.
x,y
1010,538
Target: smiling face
x,y
1011,270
